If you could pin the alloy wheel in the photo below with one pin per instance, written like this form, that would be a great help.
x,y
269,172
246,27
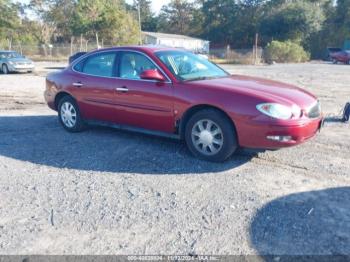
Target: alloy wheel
x,y
207,137
68,114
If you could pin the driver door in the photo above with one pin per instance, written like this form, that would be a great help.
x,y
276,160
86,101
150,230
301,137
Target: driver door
x,y
143,103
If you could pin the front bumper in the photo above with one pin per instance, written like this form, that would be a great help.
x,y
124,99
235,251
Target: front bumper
x,y
258,135
21,68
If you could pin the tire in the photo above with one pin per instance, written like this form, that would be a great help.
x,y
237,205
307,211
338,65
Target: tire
x,y
215,126
334,61
71,122
4,69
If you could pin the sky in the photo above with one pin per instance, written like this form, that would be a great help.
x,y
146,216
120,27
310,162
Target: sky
x,y
156,4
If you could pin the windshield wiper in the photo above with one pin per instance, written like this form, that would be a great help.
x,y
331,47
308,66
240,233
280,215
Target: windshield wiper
x,y
199,78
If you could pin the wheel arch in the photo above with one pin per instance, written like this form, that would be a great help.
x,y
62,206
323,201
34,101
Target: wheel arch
x,y
196,108
4,64
59,96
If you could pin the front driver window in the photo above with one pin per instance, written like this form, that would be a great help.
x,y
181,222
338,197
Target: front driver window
x,y
100,65
133,64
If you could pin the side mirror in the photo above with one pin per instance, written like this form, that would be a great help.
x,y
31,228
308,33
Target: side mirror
x,y
152,74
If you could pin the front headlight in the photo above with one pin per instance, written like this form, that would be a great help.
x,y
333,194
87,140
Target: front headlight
x,y
11,63
279,111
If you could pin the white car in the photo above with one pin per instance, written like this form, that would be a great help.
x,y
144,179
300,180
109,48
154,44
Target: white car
x,y
11,61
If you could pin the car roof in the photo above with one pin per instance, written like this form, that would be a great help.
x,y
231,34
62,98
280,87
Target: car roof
x,y
143,48
7,51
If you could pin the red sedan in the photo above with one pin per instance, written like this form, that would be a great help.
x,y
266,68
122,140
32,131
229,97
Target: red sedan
x,y
176,93
341,56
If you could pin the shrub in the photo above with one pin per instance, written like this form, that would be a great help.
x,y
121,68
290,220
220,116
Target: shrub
x,y
285,52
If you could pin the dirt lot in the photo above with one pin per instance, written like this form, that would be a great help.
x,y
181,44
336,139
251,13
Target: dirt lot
x,y
105,191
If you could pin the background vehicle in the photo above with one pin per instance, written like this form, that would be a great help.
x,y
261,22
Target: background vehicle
x,y
330,51
75,56
11,61
342,56
175,93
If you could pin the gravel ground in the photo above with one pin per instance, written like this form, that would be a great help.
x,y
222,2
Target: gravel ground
x,y
105,191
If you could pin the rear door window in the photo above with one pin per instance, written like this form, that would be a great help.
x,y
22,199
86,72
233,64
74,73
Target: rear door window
x,y
101,64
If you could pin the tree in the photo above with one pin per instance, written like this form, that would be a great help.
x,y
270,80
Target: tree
x,y
232,22
196,25
44,27
9,21
295,21
176,17
314,24
220,17
88,18
327,36
341,20
250,13
148,19
106,19
60,14
9,14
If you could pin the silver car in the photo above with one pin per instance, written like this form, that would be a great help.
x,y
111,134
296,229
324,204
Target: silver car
x,y
11,61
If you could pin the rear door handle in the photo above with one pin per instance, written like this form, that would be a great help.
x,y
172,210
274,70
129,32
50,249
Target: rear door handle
x,y
122,89
77,84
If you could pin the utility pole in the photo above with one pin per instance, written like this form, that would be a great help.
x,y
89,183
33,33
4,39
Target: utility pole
x,y
139,13
256,48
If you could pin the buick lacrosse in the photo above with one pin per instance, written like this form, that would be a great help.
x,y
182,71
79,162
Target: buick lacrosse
x,y
175,93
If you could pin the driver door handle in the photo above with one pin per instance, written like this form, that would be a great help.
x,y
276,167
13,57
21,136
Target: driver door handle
x,y
77,84
122,89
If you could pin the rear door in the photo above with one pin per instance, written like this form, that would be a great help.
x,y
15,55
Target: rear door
x,y
143,103
94,86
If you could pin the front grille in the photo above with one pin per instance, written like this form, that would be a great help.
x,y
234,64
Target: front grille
x,y
314,111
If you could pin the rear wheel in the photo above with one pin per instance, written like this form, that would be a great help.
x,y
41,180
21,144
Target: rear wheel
x,y
69,115
211,136
4,69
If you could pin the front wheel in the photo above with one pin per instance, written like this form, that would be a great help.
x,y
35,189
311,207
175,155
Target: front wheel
x,y
211,136
4,69
69,115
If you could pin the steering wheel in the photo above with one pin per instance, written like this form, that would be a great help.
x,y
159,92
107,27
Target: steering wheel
x,y
186,68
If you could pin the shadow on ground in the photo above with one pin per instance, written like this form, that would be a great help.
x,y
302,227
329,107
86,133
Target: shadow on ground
x,y
41,140
308,223
333,119
55,67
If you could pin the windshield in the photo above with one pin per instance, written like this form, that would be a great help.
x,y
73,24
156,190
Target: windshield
x,y
10,55
187,66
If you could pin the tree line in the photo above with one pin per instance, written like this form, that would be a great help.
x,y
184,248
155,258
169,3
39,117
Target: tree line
x,y
313,24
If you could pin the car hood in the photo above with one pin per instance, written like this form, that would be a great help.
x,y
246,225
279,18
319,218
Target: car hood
x,y
269,90
20,60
